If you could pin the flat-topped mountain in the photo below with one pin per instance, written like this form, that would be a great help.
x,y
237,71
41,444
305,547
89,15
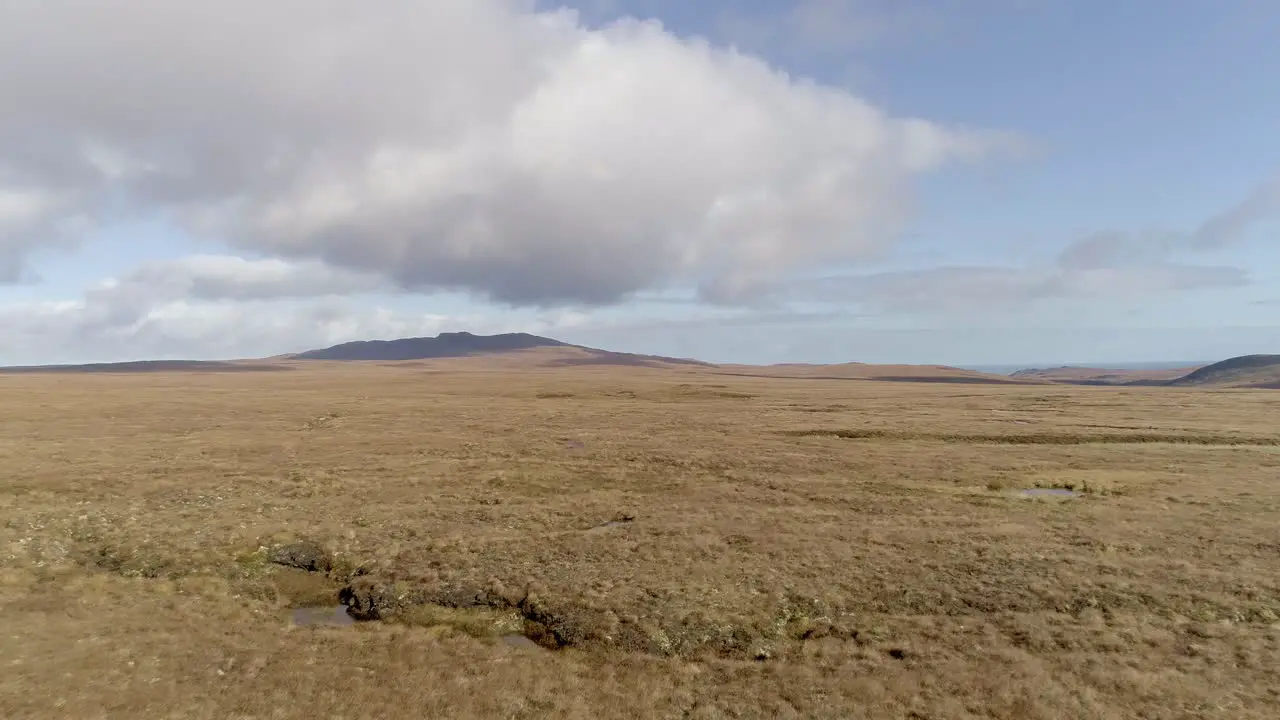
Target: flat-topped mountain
x,y
534,348
444,345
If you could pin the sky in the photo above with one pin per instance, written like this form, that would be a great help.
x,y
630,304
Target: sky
x,y
966,182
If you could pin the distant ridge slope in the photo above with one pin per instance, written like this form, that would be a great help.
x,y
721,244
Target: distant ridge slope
x,y
444,345
465,344
523,348
148,366
1246,371
1075,375
864,371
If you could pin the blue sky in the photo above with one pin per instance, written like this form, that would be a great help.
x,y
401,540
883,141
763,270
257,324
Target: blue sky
x,y
986,182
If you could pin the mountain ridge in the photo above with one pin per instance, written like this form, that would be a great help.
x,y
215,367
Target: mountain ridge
x,y
455,344
465,344
1082,375
151,366
522,350
1243,371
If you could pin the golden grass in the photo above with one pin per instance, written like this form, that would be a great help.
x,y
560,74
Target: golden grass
x,y
778,547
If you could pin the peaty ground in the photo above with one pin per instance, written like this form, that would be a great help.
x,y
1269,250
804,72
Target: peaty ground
x,y
680,544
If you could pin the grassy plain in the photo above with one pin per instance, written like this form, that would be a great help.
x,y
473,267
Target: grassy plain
x,y
781,547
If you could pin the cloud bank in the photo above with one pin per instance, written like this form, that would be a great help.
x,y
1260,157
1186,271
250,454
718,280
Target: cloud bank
x,y
219,307
1108,264
474,145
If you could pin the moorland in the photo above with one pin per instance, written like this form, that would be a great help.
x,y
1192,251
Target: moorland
x,y
522,537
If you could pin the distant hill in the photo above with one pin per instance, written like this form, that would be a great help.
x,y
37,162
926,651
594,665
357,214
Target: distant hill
x,y
1246,371
864,371
146,366
516,351
523,350
465,344
1072,375
444,345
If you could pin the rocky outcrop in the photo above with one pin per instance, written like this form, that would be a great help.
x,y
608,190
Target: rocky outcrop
x,y
307,556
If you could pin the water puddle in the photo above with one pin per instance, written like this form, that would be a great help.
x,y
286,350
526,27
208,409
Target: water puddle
x,y
326,615
520,641
1050,492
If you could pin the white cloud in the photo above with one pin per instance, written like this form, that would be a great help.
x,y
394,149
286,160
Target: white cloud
x,y
1229,227
216,277
119,304
74,332
24,213
974,289
1224,229
455,144
214,307
1103,265
220,307
1030,345
19,208
838,25
834,30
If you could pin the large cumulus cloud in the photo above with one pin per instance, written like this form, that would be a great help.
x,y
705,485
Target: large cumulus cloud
x,y
477,145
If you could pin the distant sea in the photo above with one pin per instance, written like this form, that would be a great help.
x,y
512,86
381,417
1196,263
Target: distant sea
x,y
1007,369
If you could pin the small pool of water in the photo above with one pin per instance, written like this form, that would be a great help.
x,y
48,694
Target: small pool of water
x,y
326,615
1052,492
520,641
